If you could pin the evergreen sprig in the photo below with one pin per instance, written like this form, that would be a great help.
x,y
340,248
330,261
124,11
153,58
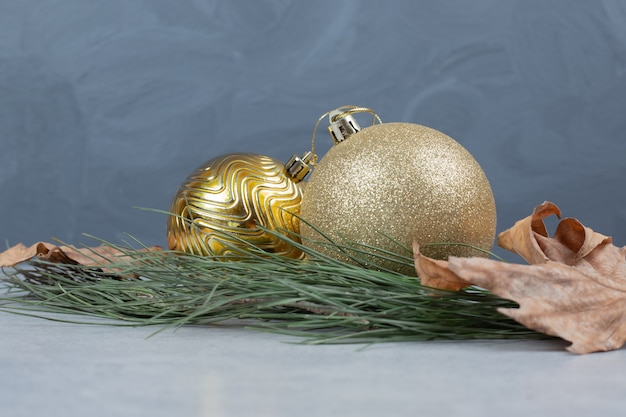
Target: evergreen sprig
x,y
320,299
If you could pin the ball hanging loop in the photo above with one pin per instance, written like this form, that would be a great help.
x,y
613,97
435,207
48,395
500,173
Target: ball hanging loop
x,y
342,125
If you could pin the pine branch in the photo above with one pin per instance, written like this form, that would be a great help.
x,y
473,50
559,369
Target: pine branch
x,y
319,299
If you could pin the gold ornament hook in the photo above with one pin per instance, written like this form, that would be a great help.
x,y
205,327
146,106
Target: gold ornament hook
x,y
341,125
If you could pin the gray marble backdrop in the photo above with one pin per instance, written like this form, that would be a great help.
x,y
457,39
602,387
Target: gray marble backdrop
x,y
108,105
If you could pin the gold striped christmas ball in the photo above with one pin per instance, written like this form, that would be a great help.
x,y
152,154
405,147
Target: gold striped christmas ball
x,y
217,209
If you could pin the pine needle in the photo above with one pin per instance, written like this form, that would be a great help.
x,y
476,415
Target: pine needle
x,y
320,299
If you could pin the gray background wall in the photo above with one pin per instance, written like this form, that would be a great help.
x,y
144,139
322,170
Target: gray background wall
x,y
106,105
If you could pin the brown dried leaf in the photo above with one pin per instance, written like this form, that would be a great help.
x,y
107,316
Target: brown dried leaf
x,y
435,273
554,299
529,238
95,256
522,237
574,289
17,254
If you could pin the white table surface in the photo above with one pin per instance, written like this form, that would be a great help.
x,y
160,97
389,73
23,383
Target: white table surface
x,y
59,369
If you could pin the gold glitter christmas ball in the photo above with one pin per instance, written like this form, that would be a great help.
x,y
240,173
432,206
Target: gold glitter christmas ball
x,y
217,209
391,183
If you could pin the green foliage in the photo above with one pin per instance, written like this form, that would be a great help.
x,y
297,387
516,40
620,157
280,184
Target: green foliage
x,y
321,299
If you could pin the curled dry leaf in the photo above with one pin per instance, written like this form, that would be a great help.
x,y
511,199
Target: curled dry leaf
x,y
434,273
68,255
572,242
575,287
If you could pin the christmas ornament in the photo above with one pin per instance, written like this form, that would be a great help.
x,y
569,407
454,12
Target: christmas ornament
x,y
390,184
574,288
217,210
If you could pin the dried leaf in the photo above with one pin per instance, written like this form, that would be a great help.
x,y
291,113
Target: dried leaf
x,y
571,242
17,254
575,287
522,237
554,299
95,256
435,273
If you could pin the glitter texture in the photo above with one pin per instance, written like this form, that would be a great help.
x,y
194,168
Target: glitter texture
x,y
400,182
